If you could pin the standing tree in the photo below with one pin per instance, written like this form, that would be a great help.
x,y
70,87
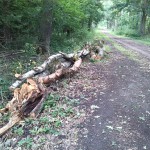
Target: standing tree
x,y
144,9
45,29
93,12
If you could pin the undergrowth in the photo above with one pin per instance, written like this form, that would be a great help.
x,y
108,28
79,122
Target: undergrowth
x,y
57,110
25,61
145,39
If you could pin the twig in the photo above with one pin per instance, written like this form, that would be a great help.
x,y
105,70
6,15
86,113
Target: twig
x,y
11,54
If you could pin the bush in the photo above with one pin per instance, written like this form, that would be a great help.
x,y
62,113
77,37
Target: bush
x,y
60,42
127,32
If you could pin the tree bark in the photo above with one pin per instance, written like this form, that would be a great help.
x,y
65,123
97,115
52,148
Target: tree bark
x,y
149,27
144,5
143,23
45,26
6,29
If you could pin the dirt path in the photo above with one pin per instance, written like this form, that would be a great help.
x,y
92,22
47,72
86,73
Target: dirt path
x,y
120,108
130,44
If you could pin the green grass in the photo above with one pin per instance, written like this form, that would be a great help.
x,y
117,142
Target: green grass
x,y
130,54
142,39
145,39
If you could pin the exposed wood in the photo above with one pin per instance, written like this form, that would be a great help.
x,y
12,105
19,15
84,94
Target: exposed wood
x,y
43,67
60,72
35,112
52,77
13,120
76,66
35,71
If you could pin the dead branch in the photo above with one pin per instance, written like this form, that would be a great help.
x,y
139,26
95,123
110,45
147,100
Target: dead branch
x,y
13,120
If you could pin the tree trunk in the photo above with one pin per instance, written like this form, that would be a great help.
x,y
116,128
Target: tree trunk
x,y
6,29
89,23
45,27
148,28
144,6
143,23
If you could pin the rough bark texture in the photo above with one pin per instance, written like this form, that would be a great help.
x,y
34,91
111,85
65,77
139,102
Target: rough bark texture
x,y
144,6
45,26
143,23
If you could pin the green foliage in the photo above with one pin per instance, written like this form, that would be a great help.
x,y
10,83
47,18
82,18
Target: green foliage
x,y
30,49
19,131
144,39
3,87
127,32
51,101
20,21
41,130
26,142
128,17
61,112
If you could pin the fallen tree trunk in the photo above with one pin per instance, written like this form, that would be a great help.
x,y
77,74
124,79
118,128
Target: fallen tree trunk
x,y
43,67
28,99
55,76
36,70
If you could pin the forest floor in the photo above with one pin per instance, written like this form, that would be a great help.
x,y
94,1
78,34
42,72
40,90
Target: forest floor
x,y
111,108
